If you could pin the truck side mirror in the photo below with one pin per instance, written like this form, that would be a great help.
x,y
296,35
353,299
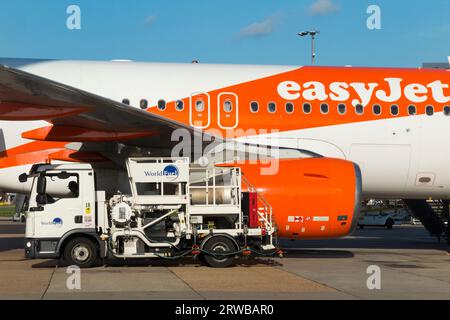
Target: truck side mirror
x,y
41,185
23,178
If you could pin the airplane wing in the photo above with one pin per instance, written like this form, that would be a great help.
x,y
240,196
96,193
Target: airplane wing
x,y
93,128
74,112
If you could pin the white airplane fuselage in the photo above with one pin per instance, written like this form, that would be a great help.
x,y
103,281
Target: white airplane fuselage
x,y
401,156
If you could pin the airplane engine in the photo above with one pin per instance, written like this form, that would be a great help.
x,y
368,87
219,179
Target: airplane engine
x,y
313,198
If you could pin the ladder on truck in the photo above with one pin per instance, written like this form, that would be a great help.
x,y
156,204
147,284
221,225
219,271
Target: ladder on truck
x,y
265,214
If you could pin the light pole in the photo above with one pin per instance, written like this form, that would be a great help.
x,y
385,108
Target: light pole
x,y
313,34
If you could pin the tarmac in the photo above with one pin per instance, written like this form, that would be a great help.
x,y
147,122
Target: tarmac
x,y
412,265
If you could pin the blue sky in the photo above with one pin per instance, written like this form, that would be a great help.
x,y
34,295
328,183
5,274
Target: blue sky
x,y
232,31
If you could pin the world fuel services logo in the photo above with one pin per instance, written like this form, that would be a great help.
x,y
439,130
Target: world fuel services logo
x,y
57,222
170,172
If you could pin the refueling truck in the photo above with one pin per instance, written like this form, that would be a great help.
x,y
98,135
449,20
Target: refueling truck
x,y
173,210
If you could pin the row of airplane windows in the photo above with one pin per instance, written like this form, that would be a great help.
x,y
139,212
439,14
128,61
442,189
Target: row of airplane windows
x,y
342,109
289,107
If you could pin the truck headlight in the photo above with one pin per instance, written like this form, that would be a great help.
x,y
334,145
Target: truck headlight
x,y
28,244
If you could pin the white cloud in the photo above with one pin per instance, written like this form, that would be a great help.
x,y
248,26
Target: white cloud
x,y
150,20
260,29
323,7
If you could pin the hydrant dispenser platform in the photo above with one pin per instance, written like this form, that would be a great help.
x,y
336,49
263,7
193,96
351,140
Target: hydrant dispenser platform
x,y
174,210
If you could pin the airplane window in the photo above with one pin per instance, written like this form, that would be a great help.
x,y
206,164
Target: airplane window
x,y
126,101
200,105
307,108
376,109
144,104
342,108
289,107
394,110
324,108
447,110
359,109
162,105
412,110
179,105
227,106
430,110
272,107
254,106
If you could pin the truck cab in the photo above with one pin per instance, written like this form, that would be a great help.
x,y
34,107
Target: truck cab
x,y
62,204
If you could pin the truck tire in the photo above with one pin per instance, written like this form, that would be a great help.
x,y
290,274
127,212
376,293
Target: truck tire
x,y
219,244
81,252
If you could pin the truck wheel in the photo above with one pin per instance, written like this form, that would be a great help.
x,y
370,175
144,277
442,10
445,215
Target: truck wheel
x,y
219,244
81,252
389,224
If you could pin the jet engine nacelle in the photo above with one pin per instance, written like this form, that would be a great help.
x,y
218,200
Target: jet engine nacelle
x,y
311,198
